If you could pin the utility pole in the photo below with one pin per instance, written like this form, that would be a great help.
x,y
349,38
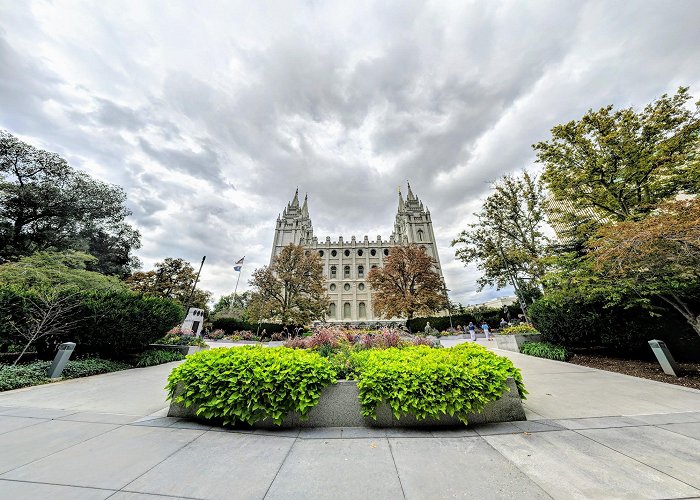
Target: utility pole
x,y
194,285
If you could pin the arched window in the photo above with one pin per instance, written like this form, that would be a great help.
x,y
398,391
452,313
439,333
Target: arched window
x,y
332,287
347,253
331,311
320,252
346,287
361,286
420,235
333,253
361,310
359,252
334,271
373,252
360,271
346,272
386,252
346,310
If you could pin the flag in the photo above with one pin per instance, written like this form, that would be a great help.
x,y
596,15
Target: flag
x,y
238,265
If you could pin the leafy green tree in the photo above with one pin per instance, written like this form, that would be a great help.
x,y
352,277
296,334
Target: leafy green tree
x,y
407,284
171,279
616,165
45,204
291,289
56,270
507,242
233,306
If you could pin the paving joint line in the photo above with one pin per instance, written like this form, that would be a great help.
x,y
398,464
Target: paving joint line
x,y
25,427
289,451
393,459
60,484
678,433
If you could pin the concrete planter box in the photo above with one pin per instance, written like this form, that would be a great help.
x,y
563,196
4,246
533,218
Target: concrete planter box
x,y
339,406
184,349
513,342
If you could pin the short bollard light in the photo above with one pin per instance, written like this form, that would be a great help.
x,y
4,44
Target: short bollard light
x,y
663,355
62,357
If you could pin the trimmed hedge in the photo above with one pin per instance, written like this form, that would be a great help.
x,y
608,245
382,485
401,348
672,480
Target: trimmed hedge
x,y
545,350
522,329
18,376
249,384
491,315
230,325
158,357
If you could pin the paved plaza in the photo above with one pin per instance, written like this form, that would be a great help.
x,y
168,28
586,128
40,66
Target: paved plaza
x,y
590,434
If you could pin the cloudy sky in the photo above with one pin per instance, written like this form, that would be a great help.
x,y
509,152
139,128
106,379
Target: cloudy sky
x,y
210,113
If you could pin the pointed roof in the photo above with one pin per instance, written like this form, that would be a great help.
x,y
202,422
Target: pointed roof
x,y
410,193
401,203
305,207
295,201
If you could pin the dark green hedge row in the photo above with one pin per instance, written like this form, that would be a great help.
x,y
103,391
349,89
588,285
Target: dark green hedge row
x,y
579,322
16,377
491,315
230,325
112,323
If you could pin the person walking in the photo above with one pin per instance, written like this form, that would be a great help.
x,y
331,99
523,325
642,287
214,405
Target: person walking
x,y
472,331
487,332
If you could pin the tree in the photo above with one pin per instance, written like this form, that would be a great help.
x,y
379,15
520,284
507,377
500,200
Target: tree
x,y
291,289
233,306
507,241
617,165
44,271
45,204
407,285
171,279
658,256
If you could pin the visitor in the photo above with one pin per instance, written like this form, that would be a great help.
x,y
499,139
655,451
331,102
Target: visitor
x,y
472,331
263,334
459,329
503,323
487,332
285,332
427,329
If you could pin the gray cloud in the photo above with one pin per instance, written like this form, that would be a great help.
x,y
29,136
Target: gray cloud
x,y
210,123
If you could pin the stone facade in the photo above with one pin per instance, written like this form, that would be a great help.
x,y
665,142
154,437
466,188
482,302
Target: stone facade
x,y
346,263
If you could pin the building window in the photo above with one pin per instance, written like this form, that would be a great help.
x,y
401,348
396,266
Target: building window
x,y
374,266
360,252
332,287
386,252
346,287
361,310
333,253
320,252
361,286
420,235
334,271
360,271
346,272
331,310
347,253
373,252
346,310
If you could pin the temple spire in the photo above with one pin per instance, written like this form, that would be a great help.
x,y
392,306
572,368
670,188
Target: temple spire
x,y
401,203
295,201
410,193
305,207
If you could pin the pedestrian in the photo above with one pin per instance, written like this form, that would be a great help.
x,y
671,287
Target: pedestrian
x,y
472,331
263,334
503,323
487,332
459,329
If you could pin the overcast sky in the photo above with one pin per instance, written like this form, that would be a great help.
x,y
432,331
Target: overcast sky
x,y
210,114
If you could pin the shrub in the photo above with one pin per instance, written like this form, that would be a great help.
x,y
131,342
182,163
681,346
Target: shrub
x,y
428,382
545,350
177,339
216,334
522,329
92,366
251,383
277,336
158,357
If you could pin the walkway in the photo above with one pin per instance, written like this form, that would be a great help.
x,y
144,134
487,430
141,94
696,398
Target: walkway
x,y
591,434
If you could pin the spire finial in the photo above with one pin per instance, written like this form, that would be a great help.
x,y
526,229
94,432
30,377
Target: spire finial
x,y
295,201
410,193
305,207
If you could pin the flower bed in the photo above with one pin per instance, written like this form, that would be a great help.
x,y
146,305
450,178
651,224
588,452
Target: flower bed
x,y
418,384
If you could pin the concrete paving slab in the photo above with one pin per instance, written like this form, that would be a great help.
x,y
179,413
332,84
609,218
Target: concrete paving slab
x,y
474,469
24,490
105,418
599,422
8,424
568,465
33,412
25,445
539,426
189,424
321,433
691,430
110,460
218,465
671,453
669,418
363,432
338,469
408,432
128,495
156,422
452,433
501,428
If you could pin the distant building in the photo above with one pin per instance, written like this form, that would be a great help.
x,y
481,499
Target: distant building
x,y
347,263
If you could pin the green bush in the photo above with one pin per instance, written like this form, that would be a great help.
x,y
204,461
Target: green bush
x,y
251,383
545,350
476,315
521,329
177,339
230,325
92,366
429,382
158,357
18,376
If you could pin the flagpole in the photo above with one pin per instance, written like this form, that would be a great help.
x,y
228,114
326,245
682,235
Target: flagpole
x,y
230,306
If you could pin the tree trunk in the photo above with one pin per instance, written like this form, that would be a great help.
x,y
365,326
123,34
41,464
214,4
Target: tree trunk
x,y
679,305
22,353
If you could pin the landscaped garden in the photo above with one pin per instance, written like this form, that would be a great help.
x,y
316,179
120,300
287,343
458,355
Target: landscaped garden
x,y
252,383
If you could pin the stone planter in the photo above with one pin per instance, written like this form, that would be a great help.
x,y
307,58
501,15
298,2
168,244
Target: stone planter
x,y
513,342
184,349
339,406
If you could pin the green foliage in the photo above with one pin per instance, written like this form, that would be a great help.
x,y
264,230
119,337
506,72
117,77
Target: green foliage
x,y
545,350
476,315
173,338
522,329
46,204
251,383
230,325
18,376
52,270
233,306
158,357
429,382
